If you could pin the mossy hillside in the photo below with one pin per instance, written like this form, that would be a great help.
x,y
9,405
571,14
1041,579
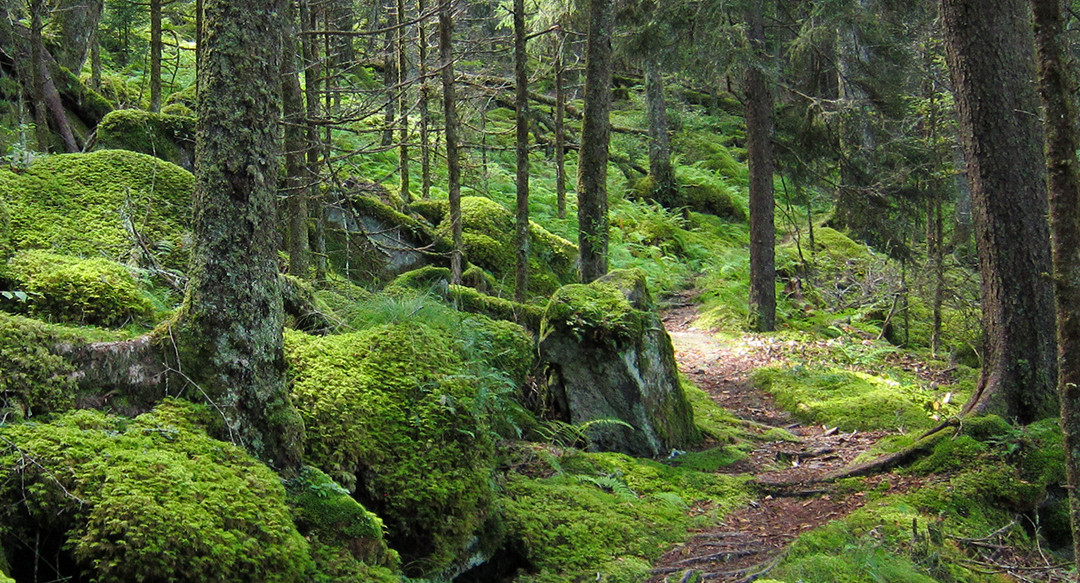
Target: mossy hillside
x,y
87,205
168,137
149,499
607,516
395,413
79,291
855,400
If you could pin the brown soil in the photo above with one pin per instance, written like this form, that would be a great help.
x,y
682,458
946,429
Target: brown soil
x,y
753,539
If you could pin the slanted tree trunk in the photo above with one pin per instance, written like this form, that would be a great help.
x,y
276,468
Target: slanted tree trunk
x,y
521,106
37,77
229,332
296,146
1057,85
660,168
453,164
155,55
989,50
560,127
593,153
759,128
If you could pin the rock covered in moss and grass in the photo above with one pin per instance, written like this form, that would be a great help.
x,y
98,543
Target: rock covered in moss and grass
x,y
67,289
612,359
35,380
112,203
402,415
148,499
168,137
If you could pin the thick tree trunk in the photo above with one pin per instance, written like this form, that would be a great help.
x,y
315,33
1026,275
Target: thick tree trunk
x,y
593,153
660,168
560,127
990,54
759,128
521,106
155,55
296,146
1058,88
453,164
229,333
77,23
36,77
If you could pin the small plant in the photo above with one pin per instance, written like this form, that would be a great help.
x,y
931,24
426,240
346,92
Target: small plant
x,y
563,434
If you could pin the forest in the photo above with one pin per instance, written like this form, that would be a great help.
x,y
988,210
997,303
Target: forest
x,y
533,292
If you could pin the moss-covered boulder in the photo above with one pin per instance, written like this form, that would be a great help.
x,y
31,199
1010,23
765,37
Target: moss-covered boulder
x,y
488,239
67,289
35,380
612,359
113,203
165,136
149,499
395,414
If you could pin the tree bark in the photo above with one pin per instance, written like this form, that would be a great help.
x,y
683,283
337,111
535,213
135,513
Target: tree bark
x,y
155,55
521,107
453,164
660,168
1057,86
403,101
77,23
295,146
991,59
759,128
312,82
422,103
593,153
229,332
390,77
560,127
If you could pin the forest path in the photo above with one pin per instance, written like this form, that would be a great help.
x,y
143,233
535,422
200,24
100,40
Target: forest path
x,y
751,540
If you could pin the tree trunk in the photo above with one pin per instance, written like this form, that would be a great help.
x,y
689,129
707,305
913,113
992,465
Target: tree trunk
x,y
95,62
155,55
560,127
296,146
1058,88
990,55
312,82
759,128
37,78
403,101
390,78
453,164
422,104
521,106
660,168
76,22
229,333
593,153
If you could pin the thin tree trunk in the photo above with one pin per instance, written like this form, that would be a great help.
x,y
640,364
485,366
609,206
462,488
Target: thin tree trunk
x,y
453,164
759,128
403,101
37,77
155,55
935,243
95,62
593,152
560,126
310,47
199,13
296,145
1058,88
521,105
990,54
422,105
390,78
660,168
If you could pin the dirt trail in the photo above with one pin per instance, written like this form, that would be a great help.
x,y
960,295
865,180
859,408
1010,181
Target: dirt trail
x,y
752,539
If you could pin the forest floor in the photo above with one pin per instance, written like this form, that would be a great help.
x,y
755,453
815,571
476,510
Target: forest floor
x,y
751,540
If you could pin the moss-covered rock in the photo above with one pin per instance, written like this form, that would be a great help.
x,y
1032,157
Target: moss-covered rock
x,y
392,413
611,359
708,151
89,205
79,291
149,499
35,380
165,136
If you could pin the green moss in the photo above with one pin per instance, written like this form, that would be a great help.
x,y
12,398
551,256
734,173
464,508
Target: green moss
x,y
150,499
79,291
393,413
86,205
35,380
599,312
168,137
433,211
708,151
704,193
5,232
853,400
471,300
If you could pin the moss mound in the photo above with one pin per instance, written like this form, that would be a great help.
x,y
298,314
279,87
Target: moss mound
x,y
35,380
705,150
89,205
79,291
168,137
704,193
149,499
853,400
597,312
5,231
395,414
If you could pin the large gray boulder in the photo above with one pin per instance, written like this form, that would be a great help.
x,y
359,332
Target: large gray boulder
x,y
611,358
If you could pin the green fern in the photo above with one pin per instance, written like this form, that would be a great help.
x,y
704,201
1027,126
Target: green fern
x,y
609,484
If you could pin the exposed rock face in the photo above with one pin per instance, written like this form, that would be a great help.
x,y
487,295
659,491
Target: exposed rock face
x,y
612,359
